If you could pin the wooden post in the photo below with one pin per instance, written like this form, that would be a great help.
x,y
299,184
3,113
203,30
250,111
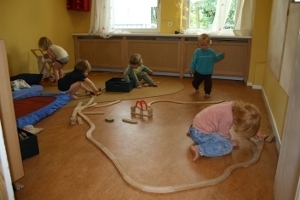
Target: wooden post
x,y
8,119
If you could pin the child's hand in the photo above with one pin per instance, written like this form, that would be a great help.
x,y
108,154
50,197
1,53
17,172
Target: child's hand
x,y
192,73
235,143
89,93
150,72
260,136
97,93
224,52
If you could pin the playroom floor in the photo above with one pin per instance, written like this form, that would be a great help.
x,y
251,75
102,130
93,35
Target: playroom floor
x,y
154,152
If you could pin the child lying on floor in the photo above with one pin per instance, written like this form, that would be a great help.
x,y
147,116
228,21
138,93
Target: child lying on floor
x,y
72,81
210,128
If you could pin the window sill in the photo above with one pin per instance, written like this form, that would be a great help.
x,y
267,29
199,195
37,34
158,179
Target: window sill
x,y
169,35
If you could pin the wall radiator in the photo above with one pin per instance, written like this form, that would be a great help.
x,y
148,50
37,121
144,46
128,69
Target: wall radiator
x,y
164,55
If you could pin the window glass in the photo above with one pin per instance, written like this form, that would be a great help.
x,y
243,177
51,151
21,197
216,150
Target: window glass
x,y
201,14
136,15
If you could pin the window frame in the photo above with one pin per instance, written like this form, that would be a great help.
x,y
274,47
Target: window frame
x,y
186,23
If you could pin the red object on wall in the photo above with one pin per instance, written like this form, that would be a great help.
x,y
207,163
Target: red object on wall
x,y
78,5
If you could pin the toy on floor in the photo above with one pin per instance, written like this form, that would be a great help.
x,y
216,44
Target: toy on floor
x,y
90,93
32,129
108,119
94,113
143,107
256,150
80,107
131,121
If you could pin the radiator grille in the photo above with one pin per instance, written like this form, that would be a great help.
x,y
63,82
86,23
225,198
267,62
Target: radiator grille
x,y
101,53
157,55
162,54
234,63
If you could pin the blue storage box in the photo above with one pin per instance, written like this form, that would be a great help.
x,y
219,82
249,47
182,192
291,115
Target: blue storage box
x,y
119,85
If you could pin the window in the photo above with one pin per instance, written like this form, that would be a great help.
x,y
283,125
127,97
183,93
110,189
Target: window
x,y
136,15
204,15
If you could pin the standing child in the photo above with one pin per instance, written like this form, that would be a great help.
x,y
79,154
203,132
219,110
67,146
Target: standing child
x,y
202,64
210,128
58,56
137,71
72,81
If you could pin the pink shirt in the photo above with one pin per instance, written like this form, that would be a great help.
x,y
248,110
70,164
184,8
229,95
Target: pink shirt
x,y
216,118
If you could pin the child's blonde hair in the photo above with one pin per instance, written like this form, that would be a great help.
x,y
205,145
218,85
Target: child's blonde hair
x,y
204,38
83,65
136,59
44,43
246,118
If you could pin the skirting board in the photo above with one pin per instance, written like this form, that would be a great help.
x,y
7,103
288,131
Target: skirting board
x,y
236,78
95,69
270,114
272,121
255,87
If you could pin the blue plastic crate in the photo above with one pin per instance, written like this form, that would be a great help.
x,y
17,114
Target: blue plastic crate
x,y
118,85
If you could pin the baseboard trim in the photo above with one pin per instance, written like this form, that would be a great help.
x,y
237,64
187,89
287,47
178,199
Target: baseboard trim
x,y
272,120
96,69
256,87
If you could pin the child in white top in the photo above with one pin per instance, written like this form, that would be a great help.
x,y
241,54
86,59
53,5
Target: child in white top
x,y
58,56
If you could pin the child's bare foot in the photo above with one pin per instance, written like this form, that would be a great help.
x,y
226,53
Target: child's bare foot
x,y
195,152
153,85
74,97
207,95
139,87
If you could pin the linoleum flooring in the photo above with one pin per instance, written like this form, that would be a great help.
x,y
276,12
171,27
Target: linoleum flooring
x,y
153,152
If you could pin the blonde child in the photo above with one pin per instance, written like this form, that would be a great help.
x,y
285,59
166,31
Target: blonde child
x,y
72,81
210,128
59,57
137,71
202,64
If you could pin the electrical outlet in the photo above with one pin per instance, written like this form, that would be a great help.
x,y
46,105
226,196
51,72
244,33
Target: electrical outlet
x,y
169,23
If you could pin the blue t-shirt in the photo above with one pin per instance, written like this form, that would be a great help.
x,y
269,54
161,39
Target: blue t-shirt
x,y
203,60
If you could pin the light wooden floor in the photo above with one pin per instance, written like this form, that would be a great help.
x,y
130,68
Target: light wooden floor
x,y
154,152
